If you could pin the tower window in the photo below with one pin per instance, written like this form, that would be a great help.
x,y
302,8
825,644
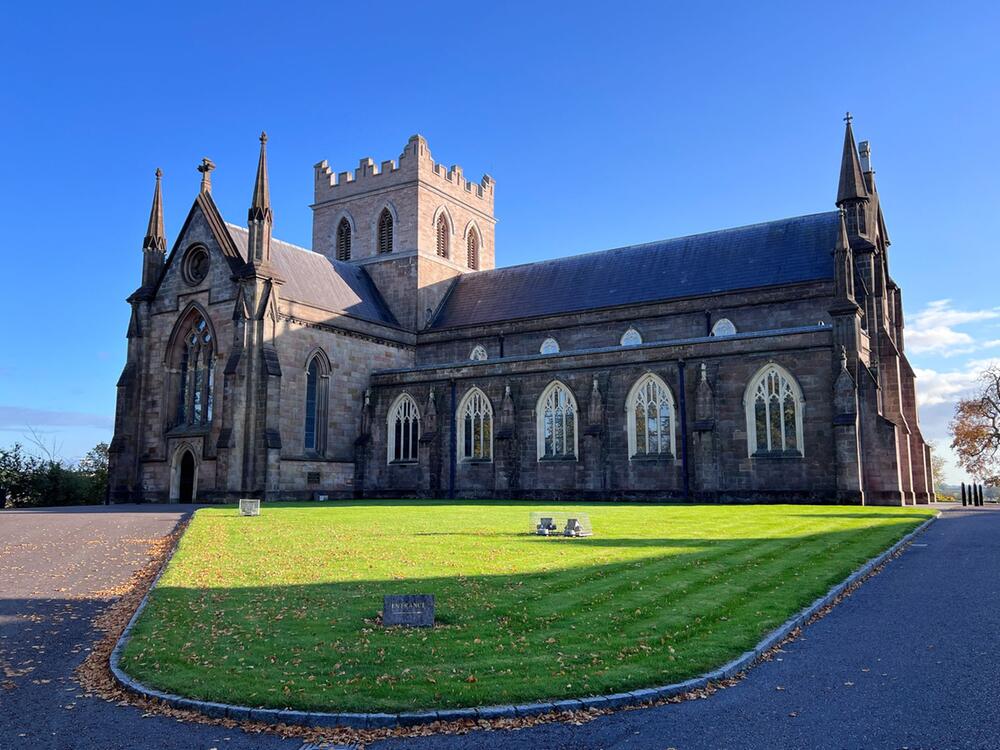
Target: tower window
x,y
384,231
344,240
472,251
442,236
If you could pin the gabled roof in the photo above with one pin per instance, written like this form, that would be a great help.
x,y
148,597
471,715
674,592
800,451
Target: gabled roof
x,y
313,279
775,253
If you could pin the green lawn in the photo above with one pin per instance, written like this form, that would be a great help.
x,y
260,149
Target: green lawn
x,y
280,610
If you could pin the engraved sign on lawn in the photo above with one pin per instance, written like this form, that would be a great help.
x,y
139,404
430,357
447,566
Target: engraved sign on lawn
x,y
408,610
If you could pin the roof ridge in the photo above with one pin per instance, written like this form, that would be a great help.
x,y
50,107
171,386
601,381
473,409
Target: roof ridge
x,y
650,243
273,239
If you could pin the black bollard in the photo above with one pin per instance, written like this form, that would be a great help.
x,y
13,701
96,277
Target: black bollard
x,y
979,494
963,494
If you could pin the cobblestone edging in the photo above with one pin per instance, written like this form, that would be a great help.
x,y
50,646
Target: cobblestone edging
x,y
386,720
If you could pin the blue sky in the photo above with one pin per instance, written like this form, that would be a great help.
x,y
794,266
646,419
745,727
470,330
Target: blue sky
x,y
602,125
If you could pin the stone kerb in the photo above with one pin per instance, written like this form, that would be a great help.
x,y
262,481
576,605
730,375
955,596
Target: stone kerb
x,y
380,720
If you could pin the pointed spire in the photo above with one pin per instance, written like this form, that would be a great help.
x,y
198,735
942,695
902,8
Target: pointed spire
x,y
852,183
154,244
259,216
261,201
843,262
155,236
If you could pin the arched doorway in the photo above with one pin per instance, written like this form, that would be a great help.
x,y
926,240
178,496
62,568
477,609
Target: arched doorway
x,y
185,488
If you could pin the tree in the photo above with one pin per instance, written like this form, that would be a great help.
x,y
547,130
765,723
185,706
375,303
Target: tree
x,y
937,468
95,466
975,429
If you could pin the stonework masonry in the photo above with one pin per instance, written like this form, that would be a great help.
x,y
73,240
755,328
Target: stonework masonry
x,y
272,371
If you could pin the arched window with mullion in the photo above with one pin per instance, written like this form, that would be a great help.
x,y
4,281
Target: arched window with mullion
x,y
403,430
774,406
194,357
556,422
475,424
650,418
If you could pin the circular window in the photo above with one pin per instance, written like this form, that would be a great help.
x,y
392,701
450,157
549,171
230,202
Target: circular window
x,y
196,265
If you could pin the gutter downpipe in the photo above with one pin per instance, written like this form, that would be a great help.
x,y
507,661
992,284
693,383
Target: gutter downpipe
x,y
684,431
452,445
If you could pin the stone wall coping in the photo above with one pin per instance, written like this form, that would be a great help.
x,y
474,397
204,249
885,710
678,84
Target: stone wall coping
x,y
362,720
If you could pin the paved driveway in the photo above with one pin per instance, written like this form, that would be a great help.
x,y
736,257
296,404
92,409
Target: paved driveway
x,y
909,661
53,564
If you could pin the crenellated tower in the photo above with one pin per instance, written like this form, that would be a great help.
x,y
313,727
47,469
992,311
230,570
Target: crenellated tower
x,y
414,224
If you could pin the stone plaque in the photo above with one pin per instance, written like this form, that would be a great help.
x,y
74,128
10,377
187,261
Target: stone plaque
x,y
408,610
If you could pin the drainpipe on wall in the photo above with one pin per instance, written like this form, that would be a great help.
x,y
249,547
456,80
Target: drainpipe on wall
x,y
708,322
684,429
501,345
452,445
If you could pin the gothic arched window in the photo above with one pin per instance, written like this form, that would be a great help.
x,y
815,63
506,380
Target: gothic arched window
x,y
344,240
650,417
774,412
475,427
404,430
556,419
384,231
478,353
724,327
549,346
472,251
441,233
631,337
194,358
317,382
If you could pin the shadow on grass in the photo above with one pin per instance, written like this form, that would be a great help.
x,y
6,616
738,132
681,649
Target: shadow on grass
x,y
590,629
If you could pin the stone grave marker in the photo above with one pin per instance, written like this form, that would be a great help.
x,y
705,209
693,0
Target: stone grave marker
x,y
249,506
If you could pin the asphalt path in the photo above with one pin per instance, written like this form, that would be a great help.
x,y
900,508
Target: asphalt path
x,y
910,660
56,569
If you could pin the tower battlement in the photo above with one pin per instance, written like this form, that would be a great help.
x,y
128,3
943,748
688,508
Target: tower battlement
x,y
415,163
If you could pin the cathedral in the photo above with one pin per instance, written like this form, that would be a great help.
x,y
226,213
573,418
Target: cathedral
x,y
764,363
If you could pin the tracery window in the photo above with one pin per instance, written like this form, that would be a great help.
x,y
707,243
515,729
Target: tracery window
x,y
475,427
196,369
650,417
472,250
404,430
344,240
556,419
549,346
774,413
478,353
384,231
631,337
441,231
317,383
724,327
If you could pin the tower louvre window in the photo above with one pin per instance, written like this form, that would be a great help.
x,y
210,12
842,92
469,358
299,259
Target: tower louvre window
x,y
344,240
442,236
385,231
472,251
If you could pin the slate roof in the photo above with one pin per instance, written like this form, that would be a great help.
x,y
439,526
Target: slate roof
x,y
313,279
774,253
